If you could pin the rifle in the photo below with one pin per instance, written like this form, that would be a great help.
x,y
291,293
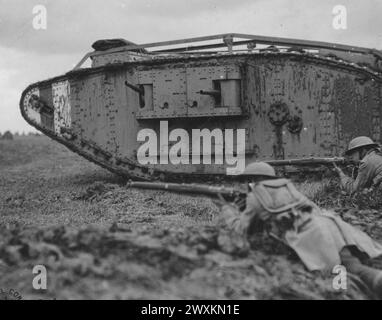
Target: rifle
x,y
234,195
312,161
229,194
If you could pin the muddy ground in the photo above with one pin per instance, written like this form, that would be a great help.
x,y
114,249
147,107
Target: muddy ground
x,y
99,240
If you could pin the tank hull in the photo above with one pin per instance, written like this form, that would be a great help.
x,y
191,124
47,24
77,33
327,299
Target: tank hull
x,y
284,105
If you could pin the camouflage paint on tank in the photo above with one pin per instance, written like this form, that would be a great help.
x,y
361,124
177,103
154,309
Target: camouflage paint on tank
x,y
291,104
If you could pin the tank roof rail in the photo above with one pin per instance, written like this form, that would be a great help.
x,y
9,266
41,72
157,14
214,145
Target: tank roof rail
x,y
228,41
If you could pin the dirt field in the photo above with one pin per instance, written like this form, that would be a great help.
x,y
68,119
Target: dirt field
x,y
100,240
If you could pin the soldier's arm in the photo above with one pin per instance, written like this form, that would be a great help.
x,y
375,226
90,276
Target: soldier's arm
x,y
363,179
240,221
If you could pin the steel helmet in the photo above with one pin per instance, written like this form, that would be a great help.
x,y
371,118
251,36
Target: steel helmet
x,y
259,169
359,142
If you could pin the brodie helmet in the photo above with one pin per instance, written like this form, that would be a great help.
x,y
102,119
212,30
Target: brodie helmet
x,y
358,143
259,169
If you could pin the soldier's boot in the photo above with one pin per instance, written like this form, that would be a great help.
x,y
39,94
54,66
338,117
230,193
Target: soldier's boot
x,y
370,276
377,285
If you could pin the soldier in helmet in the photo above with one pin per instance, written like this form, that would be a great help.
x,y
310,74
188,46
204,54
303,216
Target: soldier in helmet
x,y
320,238
369,175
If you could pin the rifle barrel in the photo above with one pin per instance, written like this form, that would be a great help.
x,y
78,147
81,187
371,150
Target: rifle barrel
x,y
310,161
183,188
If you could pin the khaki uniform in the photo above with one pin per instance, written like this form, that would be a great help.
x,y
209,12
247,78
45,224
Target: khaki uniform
x,y
369,173
317,236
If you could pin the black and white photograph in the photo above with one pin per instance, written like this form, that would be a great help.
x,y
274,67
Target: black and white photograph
x,y
199,152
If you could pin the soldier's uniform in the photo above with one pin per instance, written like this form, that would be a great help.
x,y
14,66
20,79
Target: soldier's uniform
x,y
369,173
369,170
320,238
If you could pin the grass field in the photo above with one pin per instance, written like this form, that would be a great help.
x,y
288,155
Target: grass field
x,y
100,240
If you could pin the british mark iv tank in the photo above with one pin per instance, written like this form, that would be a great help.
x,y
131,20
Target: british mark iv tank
x,y
290,99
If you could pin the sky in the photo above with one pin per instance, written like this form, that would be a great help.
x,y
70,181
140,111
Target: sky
x,y
28,55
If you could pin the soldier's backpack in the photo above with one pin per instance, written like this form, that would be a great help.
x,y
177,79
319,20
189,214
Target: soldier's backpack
x,y
279,196
282,205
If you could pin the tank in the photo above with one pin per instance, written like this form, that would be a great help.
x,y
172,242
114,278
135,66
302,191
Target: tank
x,y
150,111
